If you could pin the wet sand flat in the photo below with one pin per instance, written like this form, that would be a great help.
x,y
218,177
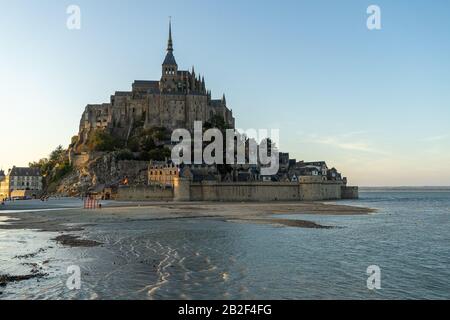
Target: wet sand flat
x,y
73,218
70,230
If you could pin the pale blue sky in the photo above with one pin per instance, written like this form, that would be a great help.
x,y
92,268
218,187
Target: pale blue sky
x,y
375,104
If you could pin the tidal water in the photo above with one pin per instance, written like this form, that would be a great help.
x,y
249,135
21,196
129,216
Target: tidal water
x,y
408,238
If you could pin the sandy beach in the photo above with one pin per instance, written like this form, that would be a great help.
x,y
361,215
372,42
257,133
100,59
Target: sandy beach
x,y
60,219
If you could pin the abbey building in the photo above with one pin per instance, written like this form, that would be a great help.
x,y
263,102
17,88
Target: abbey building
x,y
178,99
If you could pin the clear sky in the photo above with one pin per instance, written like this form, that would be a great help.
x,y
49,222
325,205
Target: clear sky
x,y
375,104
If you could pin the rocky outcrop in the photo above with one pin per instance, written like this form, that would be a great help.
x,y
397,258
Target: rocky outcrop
x,y
104,170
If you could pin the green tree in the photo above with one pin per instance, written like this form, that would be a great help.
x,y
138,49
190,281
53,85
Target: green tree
x,y
159,154
57,154
53,168
146,144
100,140
125,154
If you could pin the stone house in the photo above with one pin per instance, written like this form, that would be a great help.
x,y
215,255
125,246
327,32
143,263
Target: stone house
x,y
21,181
162,172
334,175
320,165
200,172
4,185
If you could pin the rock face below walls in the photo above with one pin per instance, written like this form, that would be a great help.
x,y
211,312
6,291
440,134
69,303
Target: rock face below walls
x,y
103,170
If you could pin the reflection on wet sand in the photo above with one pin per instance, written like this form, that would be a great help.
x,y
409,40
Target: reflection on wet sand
x,y
149,251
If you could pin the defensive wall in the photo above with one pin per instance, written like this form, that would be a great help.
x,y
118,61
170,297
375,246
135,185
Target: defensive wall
x,y
186,190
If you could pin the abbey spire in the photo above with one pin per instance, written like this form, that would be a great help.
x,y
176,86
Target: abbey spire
x,y
170,42
170,66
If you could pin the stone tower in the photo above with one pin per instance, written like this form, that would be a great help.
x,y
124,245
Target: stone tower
x,y
169,67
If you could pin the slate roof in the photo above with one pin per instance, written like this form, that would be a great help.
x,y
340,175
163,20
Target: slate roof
x,y
123,93
22,171
170,59
216,103
315,163
146,84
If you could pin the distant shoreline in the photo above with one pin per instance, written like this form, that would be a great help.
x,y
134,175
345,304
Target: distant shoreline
x,y
406,189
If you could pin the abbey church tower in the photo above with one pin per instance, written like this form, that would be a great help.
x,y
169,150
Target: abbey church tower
x,y
178,99
169,76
